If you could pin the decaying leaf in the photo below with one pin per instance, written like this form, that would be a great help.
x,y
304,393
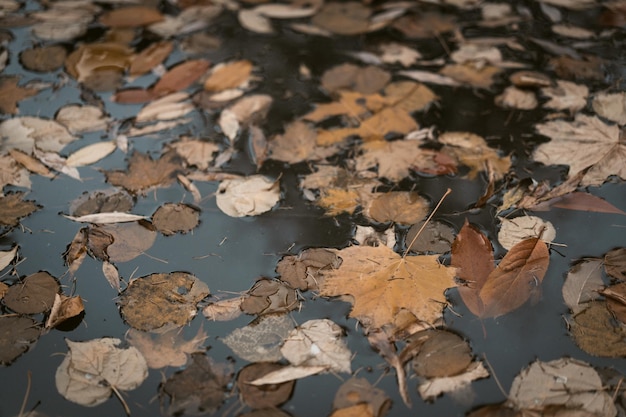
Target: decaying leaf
x,y
303,271
120,242
93,370
166,349
17,334
318,343
615,263
455,384
198,389
566,95
223,310
172,218
382,284
472,151
101,201
269,296
346,18
582,284
513,231
402,207
585,143
144,173
264,396
160,302
261,340
567,382
34,294
12,93
436,237
64,308
358,391
26,133
596,332
248,196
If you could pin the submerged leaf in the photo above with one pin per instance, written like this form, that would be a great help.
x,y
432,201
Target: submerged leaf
x,y
17,334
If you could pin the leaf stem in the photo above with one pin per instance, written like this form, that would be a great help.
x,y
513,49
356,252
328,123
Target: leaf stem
x,y
406,251
119,397
28,383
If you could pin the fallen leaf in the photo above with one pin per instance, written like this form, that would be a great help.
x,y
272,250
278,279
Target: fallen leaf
x,y
566,95
297,144
269,297
194,18
7,256
432,388
471,75
64,308
26,133
89,59
12,93
93,370
586,142
318,343
515,98
513,231
436,237
150,57
261,340
472,151
582,284
393,52
17,334
198,152
131,17
382,284
578,200
346,18
266,396
45,58
610,106
198,389
76,251
145,173
366,235
30,163
425,25
615,263
11,172
288,373
82,119
107,218
565,381
616,300
12,208
364,80
229,75
173,218
357,391
180,76
441,354
588,67
596,331
403,207
34,294
249,196
303,271
168,107
166,349
160,302
223,310
102,201
112,275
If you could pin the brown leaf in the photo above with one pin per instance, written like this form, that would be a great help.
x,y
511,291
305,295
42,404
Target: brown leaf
x,y
30,163
171,218
596,332
616,300
130,17
383,284
345,18
230,75
144,173
150,57
121,242
472,151
35,294
516,278
472,255
159,302
359,391
479,77
76,251
394,160
18,334
425,25
11,94
403,207
583,283
364,80
166,349
180,77
90,59
46,58
269,296
64,308
101,201
303,272
615,263
436,237
578,200
199,389
265,396
442,354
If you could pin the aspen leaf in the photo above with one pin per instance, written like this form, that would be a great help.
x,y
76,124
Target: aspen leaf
x,y
93,370
249,196
382,284
18,333
267,396
35,294
583,283
64,308
144,173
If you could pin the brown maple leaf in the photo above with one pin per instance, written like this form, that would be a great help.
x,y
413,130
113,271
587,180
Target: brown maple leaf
x,y
12,208
384,285
11,93
144,173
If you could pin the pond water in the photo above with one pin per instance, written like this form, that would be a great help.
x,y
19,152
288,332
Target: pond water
x,y
230,254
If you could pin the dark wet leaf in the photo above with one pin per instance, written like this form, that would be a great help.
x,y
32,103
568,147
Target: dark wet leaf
x,y
436,238
302,271
17,334
269,296
43,58
172,218
425,25
442,354
358,391
144,173
11,93
616,300
199,389
262,396
345,18
159,302
595,331
101,201
34,294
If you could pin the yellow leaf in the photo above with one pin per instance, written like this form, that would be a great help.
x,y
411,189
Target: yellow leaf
x,y
383,284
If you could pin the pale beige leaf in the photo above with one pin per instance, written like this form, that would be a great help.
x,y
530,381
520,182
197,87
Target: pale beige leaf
x,y
107,218
289,373
25,133
515,98
82,119
318,343
260,341
432,388
611,106
7,256
169,107
513,231
253,21
229,124
111,274
585,142
395,159
248,196
90,154
223,310
566,95
166,349
284,11
583,284
92,369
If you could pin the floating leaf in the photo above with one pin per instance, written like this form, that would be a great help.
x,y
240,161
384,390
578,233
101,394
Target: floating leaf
x,y
303,271
131,17
121,242
583,282
34,294
596,331
158,302
107,218
17,334
248,196
269,296
267,396
93,370
166,349
261,340
171,218
11,93
513,231
64,308
402,207
144,173
82,119
436,237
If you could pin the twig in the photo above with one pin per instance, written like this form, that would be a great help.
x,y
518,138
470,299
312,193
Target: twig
x,y
448,191
119,397
28,383
495,377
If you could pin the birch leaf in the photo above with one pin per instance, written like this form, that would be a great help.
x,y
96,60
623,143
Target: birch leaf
x,y
90,154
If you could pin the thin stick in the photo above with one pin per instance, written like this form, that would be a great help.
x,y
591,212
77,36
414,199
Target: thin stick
x,y
28,378
448,191
119,397
495,377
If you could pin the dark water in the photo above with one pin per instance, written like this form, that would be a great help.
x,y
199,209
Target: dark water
x,y
241,250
